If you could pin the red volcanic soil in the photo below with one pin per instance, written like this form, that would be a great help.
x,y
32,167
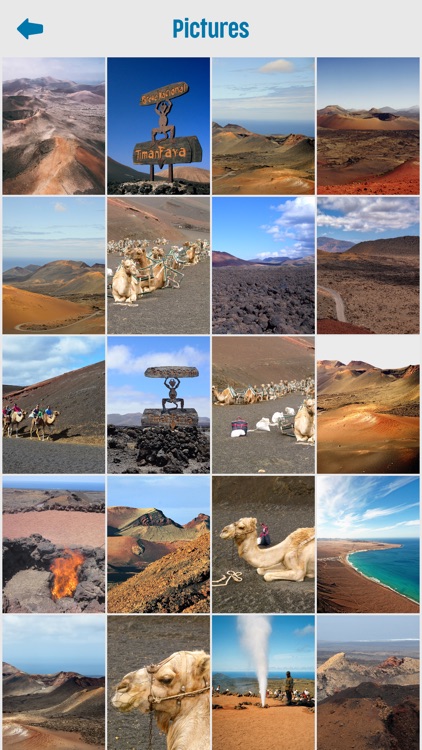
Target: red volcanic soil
x,y
327,325
404,180
61,528
120,551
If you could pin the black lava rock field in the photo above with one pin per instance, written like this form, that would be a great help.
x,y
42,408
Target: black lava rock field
x,y
269,300
158,450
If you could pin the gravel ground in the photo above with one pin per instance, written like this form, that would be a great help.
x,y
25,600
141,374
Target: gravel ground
x,y
166,311
271,452
284,504
133,643
46,457
60,527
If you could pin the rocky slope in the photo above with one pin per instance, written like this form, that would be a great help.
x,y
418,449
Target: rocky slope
x,y
178,582
339,673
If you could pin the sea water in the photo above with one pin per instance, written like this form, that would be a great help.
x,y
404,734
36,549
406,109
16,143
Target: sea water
x,y
397,568
241,682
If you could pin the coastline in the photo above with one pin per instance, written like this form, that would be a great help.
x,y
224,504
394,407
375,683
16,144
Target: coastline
x,y
343,588
376,580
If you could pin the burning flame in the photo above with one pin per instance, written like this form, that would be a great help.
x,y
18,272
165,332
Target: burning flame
x,y
65,571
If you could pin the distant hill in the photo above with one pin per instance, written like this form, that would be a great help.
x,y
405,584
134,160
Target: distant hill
x,y
192,174
61,278
134,420
387,119
117,172
226,259
392,246
330,245
17,273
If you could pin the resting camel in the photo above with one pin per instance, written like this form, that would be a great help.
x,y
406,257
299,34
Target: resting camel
x,y
304,425
177,690
16,418
125,285
291,560
227,396
40,423
250,396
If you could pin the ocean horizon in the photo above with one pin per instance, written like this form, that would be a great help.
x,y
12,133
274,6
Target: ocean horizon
x,y
397,568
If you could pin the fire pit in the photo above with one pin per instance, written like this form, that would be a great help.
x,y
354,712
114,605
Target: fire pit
x,y
44,578
65,572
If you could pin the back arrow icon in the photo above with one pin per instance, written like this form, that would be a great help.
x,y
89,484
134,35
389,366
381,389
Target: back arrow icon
x,y
27,28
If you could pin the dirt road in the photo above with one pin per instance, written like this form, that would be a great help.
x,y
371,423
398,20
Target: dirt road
x,y
340,311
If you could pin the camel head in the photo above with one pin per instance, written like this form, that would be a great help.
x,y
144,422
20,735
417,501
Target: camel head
x,y
309,404
182,672
129,266
239,529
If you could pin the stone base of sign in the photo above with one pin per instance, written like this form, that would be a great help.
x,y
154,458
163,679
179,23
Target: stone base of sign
x,y
170,418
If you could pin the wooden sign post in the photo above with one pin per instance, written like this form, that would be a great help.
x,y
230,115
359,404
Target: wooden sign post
x,y
169,149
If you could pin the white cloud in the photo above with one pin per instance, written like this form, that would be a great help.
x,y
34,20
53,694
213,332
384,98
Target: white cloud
x,y
307,630
59,207
277,66
122,359
368,215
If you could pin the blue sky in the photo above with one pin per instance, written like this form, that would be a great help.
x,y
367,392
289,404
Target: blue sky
x,y
40,230
42,644
357,219
78,69
129,123
290,644
263,227
367,627
366,82
179,498
59,482
368,507
31,359
272,93
128,357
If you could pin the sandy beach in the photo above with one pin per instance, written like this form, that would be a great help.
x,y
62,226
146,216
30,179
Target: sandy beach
x,y
341,588
281,726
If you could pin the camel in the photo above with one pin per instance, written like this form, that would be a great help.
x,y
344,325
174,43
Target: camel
x,y
177,690
7,420
304,425
40,423
250,396
293,559
228,396
125,285
16,417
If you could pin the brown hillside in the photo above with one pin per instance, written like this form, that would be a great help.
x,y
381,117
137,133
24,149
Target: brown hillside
x,y
179,582
78,395
20,307
259,360
173,218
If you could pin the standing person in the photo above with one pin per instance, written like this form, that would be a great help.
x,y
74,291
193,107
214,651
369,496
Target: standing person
x,y
288,687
